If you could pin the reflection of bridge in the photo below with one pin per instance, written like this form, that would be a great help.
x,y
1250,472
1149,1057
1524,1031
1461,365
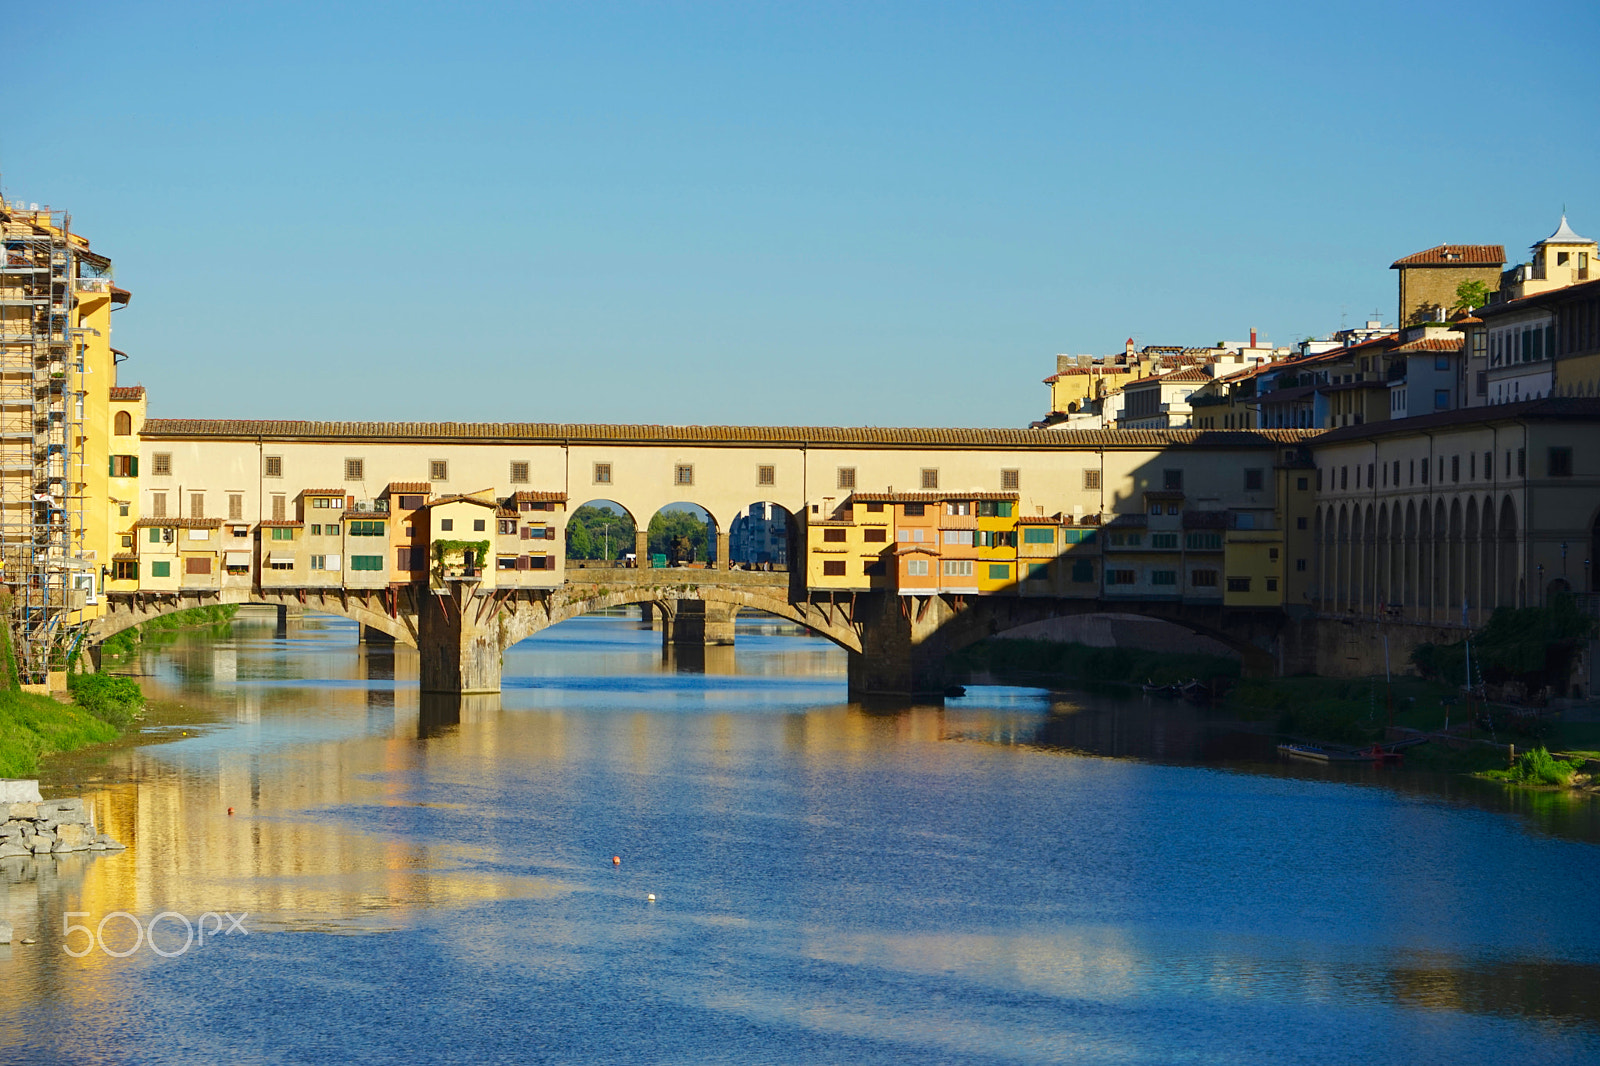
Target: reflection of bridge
x,y
897,644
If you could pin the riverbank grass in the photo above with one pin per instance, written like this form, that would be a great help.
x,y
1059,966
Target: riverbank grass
x,y
1537,768
33,726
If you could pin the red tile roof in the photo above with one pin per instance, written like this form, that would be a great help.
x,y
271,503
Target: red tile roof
x,y
126,393
463,498
781,436
526,496
1431,344
322,492
410,488
927,497
179,523
1455,255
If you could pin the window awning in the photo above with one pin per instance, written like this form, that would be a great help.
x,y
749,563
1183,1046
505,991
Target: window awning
x,y
280,557
235,558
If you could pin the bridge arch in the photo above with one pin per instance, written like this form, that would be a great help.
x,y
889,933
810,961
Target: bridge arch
x,y
132,610
609,528
535,618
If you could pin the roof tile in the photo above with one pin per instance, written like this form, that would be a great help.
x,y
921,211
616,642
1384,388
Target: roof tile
x,y
1455,255
791,436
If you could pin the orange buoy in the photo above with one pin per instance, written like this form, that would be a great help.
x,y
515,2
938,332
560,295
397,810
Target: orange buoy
x,y
616,860
230,810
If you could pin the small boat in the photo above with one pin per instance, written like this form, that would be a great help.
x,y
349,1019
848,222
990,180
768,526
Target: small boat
x,y
1376,753
952,692
1169,691
1196,692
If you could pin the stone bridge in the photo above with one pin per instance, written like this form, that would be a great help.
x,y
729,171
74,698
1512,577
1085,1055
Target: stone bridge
x,y
897,644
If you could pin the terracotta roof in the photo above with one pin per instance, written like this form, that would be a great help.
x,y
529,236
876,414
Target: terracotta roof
x,y
322,492
179,523
1430,344
124,557
1193,373
926,497
126,393
1577,409
525,496
1456,255
907,549
410,488
1097,369
464,498
280,523
1549,296
505,512
792,436
1119,521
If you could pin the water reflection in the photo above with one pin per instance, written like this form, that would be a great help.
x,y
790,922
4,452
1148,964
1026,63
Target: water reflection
x,y
953,882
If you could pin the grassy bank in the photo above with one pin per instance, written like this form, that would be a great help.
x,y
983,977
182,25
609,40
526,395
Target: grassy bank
x,y
1044,660
125,643
33,726
1537,769
1343,710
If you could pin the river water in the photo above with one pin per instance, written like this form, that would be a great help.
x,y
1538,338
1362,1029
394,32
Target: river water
x,y
1015,877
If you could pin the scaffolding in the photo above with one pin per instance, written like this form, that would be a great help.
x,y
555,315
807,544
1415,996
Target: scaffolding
x,y
42,393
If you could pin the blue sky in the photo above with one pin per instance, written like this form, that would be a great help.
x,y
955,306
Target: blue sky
x,y
770,213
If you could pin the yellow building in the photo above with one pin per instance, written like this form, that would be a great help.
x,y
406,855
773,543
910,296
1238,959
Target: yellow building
x,y
997,541
461,538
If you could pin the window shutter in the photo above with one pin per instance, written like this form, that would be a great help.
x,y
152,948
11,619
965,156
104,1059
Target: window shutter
x,y
523,562
549,532
527,532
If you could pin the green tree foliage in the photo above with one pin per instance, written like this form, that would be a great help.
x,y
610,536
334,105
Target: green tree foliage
x,y
587,532
1470,294
678,535
1532,644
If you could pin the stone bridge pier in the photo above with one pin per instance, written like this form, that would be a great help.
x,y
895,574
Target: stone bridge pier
x,y
698,622
459,641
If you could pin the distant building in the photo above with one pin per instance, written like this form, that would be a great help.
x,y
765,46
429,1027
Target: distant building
x,y
1429,279
1561,259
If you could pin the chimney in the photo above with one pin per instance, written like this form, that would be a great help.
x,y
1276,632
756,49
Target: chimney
x,y
1063,362
1252,336
1128,348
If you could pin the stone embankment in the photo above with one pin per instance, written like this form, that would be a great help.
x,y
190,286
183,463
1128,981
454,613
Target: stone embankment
x,y
48,827
32,829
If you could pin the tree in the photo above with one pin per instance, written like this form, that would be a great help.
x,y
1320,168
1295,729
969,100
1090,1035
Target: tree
x,y
579,543
599,525
1470,295
679,535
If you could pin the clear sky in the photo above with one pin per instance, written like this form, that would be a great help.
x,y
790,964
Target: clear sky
x,y
885,214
